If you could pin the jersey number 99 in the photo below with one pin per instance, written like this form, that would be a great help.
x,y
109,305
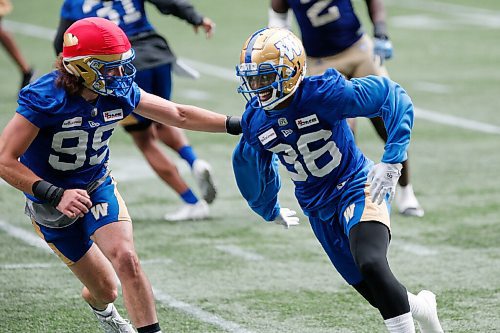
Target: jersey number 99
x,y
79,150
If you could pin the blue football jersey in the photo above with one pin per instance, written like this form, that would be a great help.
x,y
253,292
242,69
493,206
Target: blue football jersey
x,y
312,140
71,148
129,15
327,27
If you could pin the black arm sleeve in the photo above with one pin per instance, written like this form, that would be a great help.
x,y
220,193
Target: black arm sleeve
x,y
181,8
58,39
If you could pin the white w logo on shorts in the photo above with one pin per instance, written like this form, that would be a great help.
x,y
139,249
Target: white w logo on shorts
x,y
99,210
349,213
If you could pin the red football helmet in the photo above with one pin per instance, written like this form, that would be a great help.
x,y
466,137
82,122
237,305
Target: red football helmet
x,y
94,48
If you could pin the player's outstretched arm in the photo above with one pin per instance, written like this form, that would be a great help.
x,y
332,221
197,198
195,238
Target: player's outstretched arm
x,y
185,116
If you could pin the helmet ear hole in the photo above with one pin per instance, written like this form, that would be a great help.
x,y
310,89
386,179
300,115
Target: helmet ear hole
x,y
71,69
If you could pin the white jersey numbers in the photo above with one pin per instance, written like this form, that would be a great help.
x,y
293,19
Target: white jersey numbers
x,y
316,14
131,14
290,155
75,143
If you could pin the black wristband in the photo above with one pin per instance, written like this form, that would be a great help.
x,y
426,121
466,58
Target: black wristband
x,y
380,30
45,191
233,125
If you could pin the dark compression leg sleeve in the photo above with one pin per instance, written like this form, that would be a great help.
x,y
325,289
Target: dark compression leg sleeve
x,y
368,243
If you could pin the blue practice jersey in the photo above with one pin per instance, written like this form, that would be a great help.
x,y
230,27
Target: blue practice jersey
x,y
71,148
129,15
312,139
327,27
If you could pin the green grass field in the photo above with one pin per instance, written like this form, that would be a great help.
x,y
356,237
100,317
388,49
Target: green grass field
x,y
234,272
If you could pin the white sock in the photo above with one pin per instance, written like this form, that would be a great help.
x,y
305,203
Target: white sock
x,y
400,324
423,309
106,312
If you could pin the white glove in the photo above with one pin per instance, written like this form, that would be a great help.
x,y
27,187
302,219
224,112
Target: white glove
x,y
384,177
287,218
382,48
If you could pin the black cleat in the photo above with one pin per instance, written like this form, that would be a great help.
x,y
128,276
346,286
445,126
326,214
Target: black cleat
x,y
27,77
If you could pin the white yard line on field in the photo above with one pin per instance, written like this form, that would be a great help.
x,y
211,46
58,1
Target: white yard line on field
x,y
52,265
413,248
160,296
204,316
228,74
239,252
450,120
30,266
27,237
466,15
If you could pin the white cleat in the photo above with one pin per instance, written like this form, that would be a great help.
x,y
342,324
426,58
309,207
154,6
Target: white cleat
x,y
197,211
407,202
202,173
114,323
430,322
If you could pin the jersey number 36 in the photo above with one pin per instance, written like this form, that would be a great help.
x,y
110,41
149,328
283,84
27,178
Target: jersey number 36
x,y
309,157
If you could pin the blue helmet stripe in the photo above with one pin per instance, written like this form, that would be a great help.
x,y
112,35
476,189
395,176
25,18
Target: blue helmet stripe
x,y
253,39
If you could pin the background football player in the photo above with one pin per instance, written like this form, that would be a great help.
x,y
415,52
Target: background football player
x,y
11,47
301,121
333,38
55,150
154,61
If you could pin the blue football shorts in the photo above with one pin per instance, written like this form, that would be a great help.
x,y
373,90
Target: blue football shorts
x,y
72,242
355,206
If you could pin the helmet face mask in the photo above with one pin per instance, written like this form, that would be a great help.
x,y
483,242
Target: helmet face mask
x,y
272,65
99,53
111,75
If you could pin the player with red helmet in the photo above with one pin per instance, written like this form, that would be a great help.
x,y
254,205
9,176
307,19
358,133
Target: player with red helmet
x,y
155,63
55,150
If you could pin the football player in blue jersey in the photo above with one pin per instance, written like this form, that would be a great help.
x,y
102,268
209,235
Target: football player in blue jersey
x,y
154,61
11,47
301,121
55,150
334,38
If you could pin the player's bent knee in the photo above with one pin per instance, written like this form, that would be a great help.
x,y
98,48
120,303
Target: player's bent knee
x,y
371,266
127,264
107,296
104,294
